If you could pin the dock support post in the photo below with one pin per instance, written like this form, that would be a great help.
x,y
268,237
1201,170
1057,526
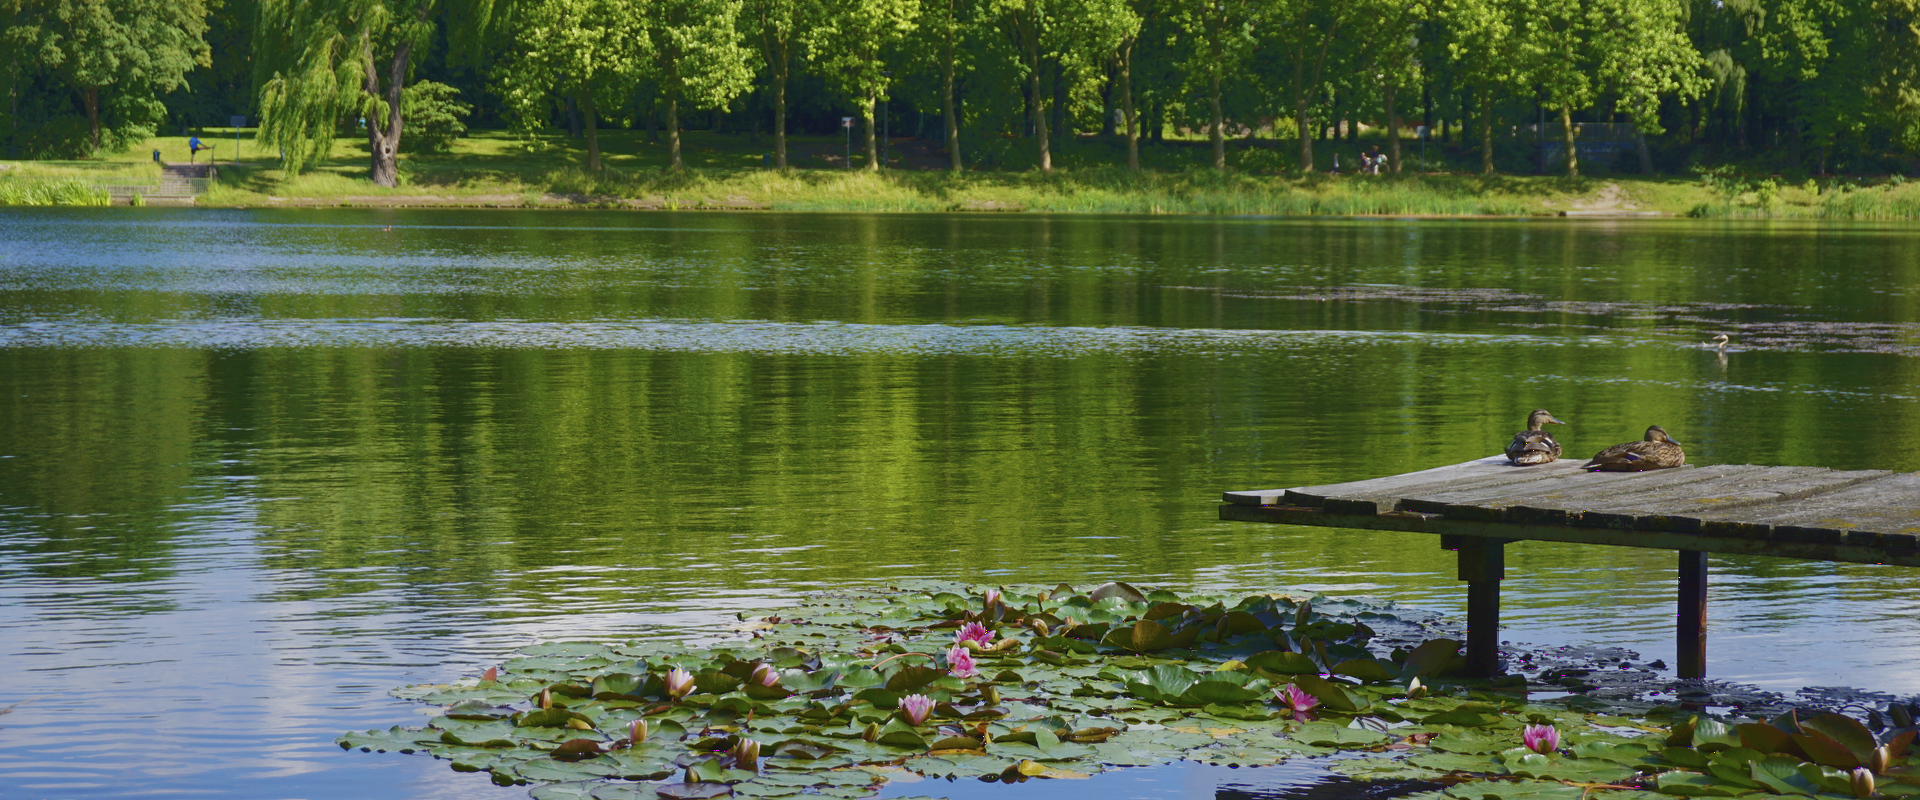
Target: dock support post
x,y
1691,629
1483,564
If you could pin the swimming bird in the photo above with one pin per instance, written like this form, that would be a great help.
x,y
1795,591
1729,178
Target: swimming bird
x,y
1654,451
1719,342
1535,446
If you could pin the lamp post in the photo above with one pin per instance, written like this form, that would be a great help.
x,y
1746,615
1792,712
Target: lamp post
x,y
847,122
886,120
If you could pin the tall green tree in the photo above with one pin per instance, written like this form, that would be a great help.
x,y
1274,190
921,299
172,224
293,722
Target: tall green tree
x,y
585,50
1222,33
119,52
1486,50
318,61
1302,35
851,43
945,25
1027,23
780,26
696,57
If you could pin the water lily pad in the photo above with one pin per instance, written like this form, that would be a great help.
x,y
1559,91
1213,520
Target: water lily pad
x,y
693,791
1693,784
1522,790
1328,734
1283,662
1456,762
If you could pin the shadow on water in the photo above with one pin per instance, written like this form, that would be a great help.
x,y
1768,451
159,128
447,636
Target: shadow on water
x,y
1300,779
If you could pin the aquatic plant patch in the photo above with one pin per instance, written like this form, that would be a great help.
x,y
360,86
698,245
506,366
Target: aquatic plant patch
x,y
839,696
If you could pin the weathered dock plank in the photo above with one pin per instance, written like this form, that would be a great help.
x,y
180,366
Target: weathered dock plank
x,y
1383,494
1859,516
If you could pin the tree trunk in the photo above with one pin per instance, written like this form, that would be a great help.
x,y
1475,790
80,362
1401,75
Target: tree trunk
x,y
1107,87
780,109
1126,106
587,114
1486,132
1302,125
872,142
673,132
946,98
1393,131
384,143
1219,132
1062,124
1039,106
1573,153
90,97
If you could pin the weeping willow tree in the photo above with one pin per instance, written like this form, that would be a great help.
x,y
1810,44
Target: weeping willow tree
x,y
319,63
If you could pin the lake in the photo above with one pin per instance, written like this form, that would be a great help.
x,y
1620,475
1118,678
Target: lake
x,y
259,467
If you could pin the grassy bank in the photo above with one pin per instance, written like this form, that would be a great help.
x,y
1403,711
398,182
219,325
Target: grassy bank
x,y
728,171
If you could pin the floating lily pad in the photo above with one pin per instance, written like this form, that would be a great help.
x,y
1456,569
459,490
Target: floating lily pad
x,y
1121,678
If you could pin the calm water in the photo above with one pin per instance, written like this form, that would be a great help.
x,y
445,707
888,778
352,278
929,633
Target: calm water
x,y
257,468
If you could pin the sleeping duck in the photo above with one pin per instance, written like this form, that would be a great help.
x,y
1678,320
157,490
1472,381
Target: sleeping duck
x,y
1654,451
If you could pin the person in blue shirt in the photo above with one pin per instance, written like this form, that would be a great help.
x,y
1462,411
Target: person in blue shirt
x,y
193,148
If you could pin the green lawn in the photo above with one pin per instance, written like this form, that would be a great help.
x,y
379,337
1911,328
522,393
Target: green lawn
x,y
726,170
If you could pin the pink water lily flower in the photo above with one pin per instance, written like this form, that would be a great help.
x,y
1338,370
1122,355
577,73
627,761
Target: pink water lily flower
x,y
992,597
636,732
679,683
915,708
1298,701
1541,739
960,662
974,632
764,675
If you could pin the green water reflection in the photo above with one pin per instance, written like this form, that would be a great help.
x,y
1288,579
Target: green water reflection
x,y
599,411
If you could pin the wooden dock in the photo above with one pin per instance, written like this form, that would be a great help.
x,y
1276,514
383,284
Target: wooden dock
x,y
1861,516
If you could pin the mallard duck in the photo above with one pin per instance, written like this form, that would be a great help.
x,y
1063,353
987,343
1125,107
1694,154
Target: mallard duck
x,y
1535,446
1654,451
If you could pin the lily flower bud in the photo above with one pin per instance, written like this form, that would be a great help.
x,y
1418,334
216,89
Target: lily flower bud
x,y
636,732
746,755
1862,779
1880,760
679,683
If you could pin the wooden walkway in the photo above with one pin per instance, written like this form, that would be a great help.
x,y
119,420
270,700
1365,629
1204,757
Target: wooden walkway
x,y
1862,516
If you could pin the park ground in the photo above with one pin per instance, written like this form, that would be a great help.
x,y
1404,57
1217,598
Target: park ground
x,y
732,171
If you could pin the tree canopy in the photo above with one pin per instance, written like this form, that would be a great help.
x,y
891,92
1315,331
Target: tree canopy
x,y
1819,85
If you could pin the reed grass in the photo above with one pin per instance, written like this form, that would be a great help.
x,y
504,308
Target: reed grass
x,y
54,192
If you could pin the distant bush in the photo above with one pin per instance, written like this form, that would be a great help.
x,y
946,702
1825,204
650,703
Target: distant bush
x,y
433,115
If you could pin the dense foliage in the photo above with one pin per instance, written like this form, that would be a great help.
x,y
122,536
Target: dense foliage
x,y
1819,85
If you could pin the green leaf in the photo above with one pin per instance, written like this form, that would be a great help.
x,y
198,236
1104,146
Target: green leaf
x,y
1781,775
1332,696
1283,662
1845,730
1693,784
1432,658
1118,590
1365,669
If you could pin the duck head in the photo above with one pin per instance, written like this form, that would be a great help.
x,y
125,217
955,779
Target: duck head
x,y
1539,417
1656,433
